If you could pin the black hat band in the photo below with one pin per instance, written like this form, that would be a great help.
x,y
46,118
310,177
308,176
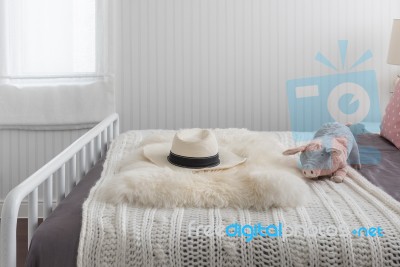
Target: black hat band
x,y
192,162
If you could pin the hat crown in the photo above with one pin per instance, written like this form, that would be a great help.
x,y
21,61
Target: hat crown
x,y
199,143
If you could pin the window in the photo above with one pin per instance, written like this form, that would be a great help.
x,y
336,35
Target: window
x,y
53,61
53,38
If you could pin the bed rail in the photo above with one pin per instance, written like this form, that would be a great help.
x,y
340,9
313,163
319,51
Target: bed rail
x,y
79,157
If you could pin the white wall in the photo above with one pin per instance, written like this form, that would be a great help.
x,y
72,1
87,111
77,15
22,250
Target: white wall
x,y
218,63
225,63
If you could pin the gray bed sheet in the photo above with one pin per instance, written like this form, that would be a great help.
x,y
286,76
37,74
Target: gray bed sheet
x,y
381,163
55,243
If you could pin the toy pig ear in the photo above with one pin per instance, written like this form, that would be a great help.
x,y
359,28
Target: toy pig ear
x,y
293,151
332,150
342,141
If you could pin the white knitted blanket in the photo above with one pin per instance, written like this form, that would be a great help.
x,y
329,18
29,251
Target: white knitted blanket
x,y
326,232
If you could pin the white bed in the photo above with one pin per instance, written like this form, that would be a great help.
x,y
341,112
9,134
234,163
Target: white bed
x,y
332,204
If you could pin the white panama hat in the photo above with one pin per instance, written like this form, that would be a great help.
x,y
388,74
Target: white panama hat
x,y
195,149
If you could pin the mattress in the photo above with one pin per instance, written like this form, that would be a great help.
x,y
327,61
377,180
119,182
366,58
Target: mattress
x,y
55,243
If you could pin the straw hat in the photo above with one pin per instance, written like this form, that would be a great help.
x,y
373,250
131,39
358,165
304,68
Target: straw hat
x,y
192,149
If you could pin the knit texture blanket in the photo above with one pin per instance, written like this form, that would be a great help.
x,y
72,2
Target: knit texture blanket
x,y
352,223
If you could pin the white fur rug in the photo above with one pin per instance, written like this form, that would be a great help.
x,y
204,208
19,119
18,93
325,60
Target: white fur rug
x,y
266,179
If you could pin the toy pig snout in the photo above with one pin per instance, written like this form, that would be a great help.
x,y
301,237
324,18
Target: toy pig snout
x,y
310,172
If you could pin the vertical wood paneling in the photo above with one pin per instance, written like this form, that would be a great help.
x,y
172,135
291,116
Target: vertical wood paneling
x,y
24,152
225,63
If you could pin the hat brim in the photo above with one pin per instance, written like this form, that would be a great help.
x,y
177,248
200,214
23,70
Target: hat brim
x,y
158,153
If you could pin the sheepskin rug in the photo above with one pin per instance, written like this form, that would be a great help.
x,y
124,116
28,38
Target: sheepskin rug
x,y
266,179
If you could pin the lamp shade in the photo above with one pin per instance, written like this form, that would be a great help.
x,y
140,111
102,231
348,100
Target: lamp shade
x,y
394,47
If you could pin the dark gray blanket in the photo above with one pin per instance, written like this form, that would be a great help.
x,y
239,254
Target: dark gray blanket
x,y
56,241
381,163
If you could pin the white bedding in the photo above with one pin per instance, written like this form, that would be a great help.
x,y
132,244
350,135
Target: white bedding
x,y
122,235
267,178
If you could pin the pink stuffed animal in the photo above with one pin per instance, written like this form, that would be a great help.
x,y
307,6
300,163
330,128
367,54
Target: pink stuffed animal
x,y
328,153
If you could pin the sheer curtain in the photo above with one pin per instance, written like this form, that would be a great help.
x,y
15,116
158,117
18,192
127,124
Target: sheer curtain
x,y
3,40
52,37
55,62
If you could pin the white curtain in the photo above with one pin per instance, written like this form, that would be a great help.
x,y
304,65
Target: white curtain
x,y
61,106
3,41
54,58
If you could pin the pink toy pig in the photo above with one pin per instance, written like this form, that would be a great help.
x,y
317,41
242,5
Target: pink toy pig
x,y
328,153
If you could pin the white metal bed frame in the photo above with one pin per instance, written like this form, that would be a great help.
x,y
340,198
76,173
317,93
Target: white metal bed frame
x,y
79,162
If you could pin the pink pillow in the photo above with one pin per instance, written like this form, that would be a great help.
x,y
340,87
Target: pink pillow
x,y
390,127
